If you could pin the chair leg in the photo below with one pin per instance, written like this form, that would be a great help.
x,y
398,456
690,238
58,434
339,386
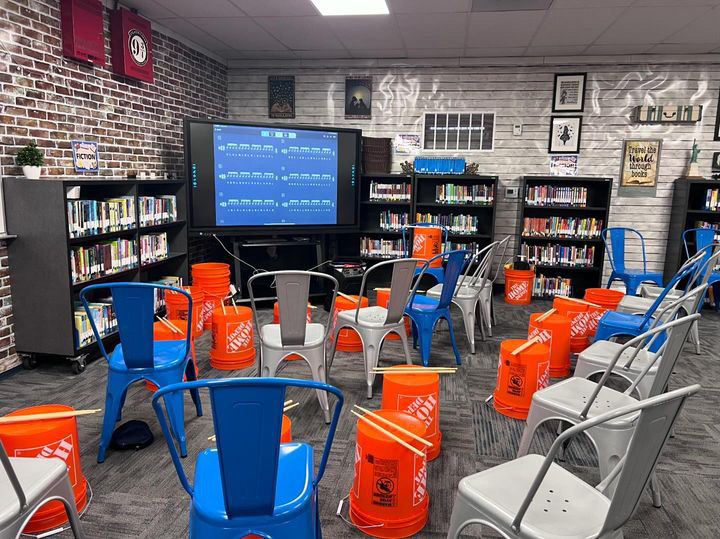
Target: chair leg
x,y
335,334
113,403
406,348
371,354
316,360
122,405
533,421
462,514
194,393
631,287
65,492
695,336
468,314
176,414
425,334
655,491
452,340
414,327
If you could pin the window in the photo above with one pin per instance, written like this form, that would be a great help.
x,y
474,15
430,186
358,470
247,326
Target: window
x,y
461,131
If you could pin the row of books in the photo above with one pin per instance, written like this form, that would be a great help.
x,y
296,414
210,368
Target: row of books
x,y
551,286
451,193
390,191
153,247
91,217
705,224
562,226
93,261
381,248
456,224
558,255
712,199
157,210
393,221
543,195
473,247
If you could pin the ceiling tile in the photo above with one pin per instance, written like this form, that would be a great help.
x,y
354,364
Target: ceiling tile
x,y
654,3
683,48
239,33
501,29
434,53
377,31
649,25
193,8
704,29
377,53
575,26
276,8
604,50
193,33
325,53
491,52
150,9
429,6
571,4
552,50
269,55
441,30
301,32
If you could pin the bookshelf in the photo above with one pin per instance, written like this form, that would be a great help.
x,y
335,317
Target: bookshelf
x,y
566,249
41,276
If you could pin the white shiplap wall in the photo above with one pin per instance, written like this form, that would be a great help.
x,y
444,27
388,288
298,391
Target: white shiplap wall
x,y
518,94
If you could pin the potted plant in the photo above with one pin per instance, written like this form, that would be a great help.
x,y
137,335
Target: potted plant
x,y
31,159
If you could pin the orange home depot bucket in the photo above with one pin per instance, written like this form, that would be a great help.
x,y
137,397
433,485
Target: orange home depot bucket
x,y
211,271
348,339
286,434
211,302
418,395
520,376
555,332
604,297
389,493
177,307
518,286
427,243
383,298
276,320
163,333
579,321
233,346
47,438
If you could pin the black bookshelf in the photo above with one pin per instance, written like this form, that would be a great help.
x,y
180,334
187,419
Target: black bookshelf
x,y
599,191
42,290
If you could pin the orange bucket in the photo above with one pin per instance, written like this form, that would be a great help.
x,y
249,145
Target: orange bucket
x,y
579,321
418,395
177,307
211,271
594,316
213,278
47,438
520,376
276,320
383,298
286,434
348,339
555,332
211,302
233,346
518,286
163,333
427,243
389,494
604,297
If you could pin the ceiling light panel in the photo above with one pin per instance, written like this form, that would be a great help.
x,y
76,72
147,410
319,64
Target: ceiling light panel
x,y
351,7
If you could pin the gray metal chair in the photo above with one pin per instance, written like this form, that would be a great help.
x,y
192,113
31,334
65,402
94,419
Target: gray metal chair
x,y
374,323
468,291
35,481
532,497
487,301
294,334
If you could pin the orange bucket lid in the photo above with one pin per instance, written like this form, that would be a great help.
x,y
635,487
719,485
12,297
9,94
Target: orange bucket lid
x,y
31,428
422,379
403,419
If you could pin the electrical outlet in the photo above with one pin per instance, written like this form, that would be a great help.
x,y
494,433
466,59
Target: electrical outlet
x,y
511,192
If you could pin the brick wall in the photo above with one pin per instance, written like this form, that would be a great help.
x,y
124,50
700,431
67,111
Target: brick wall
x,y
51,100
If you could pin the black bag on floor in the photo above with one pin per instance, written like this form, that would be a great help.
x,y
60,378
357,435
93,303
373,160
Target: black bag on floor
x,y
133,434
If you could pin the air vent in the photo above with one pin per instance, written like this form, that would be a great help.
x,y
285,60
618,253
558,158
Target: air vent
x,y
510,5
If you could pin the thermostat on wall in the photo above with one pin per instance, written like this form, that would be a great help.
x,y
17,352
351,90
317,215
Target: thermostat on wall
x,y
511,192
517,130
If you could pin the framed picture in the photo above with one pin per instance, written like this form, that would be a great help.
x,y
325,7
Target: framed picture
x,y
281,96
717,122
716,162
639,171
85,156
563,165
569,92
565,134
358,98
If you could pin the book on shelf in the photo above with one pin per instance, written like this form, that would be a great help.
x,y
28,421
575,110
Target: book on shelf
x,y
106,258
393,221
545,195
712,200
450,193
706,224
571,227
473,246
456,224
170,280
390,192
372,247
153,247
92,217
157,210
576,256
551,286
103,315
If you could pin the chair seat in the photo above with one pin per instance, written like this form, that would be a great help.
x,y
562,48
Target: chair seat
x,y
35,476
367,316
167,355
294,482
653,291
314,335
601,353
634,304
563,507
423,303
461,292
640,273
631,322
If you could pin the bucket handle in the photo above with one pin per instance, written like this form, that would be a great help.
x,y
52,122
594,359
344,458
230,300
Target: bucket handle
x,y
346,521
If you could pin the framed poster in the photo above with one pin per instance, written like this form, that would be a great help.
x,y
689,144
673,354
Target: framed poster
x,y
717,122
281,96
716,162
639,171
569,92
565,134
85,156
358,98
563,165
407,144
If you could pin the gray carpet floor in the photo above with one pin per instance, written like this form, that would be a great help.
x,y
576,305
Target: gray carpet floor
x,y
137,494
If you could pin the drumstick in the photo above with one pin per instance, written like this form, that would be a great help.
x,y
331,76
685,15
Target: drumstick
x,y
414,372
381,289
400,367
398,427
168,325
545,315
173,325
348,297
414,368
290,407
233,302
389,434
526,345
580,301
47,415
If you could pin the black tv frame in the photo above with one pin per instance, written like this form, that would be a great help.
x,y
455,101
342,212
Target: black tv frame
x,y
269,230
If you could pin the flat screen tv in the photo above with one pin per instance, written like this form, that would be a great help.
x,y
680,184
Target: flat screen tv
x,y
247,178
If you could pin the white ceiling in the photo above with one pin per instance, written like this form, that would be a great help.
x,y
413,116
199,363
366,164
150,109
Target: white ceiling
x,y
291,29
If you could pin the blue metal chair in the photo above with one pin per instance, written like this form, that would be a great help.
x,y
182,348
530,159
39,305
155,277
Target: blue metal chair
x,y
139,357
613,323
425,312
251,484
437,273
703,239
616,254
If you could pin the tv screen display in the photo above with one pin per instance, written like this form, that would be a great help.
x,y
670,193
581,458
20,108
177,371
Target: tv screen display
x,y
252,177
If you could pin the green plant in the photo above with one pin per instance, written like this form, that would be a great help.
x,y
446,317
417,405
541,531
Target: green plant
x,y
30,156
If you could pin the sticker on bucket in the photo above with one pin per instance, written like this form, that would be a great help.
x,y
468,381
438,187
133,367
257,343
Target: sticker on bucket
x,y
424,407
420,480
356,481
385,479
594,318
62,449
518,291
516,380
208,306
543,375
419,243
543,335
578,323
239,335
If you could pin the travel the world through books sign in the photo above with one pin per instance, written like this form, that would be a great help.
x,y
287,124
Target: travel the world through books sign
x,y
639,172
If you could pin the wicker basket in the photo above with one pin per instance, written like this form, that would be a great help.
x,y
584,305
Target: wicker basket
x,y
376,155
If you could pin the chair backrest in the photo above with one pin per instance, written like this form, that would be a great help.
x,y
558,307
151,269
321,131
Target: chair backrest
x,y
702,238
14,481
685,271
407,245
482,261
403,271
134,306
293,292
247,416
455,261
500,252
616,249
